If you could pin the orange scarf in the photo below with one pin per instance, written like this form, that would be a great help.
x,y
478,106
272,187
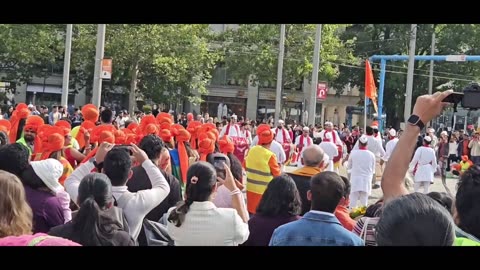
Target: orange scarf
x,y
182,137
307,171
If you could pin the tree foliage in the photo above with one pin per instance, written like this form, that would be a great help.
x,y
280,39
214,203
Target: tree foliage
x,y
253,49
391,39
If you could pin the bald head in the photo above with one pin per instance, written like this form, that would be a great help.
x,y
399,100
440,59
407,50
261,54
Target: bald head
x,y
313,156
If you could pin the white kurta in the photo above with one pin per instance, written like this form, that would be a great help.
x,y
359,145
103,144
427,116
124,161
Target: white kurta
x,y
307,141
373,145
389,148
332,151
336,137
361,166
247,135
233,132
279,136
426,163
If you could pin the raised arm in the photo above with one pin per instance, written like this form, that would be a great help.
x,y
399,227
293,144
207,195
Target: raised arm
x,y
426,107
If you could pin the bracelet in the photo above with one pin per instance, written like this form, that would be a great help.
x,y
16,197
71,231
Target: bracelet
x,y
235,191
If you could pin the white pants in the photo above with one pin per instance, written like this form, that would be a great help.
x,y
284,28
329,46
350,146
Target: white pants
x,y
417,185
358,195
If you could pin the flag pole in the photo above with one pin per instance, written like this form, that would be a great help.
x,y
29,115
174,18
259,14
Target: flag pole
x,y
365,113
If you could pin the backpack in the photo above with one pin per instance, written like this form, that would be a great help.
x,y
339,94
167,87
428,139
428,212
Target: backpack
x,y
152,233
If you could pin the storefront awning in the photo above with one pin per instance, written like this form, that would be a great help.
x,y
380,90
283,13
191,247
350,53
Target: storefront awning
x,y
39,88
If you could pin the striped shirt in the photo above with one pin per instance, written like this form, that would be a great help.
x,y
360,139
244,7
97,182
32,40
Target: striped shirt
x,y
367,234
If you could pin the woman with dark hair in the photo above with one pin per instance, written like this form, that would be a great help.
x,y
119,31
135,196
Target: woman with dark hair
x,y
280,204
415,220
443,199
196,221
8,114
92,225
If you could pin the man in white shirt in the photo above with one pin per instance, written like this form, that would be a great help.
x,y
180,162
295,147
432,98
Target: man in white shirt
x,y
423,166
122,118
392,142
232,129
329,129
376,148
361,167
277,149
281,133
330,149
303,141
377,135
117,166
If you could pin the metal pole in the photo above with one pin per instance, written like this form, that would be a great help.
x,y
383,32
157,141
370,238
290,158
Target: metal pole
x,y
411,66
430,79
66,66
97,81
278,98
316,62
383,64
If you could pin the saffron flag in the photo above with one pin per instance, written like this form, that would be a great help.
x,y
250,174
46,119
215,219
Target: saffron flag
x,y
370,88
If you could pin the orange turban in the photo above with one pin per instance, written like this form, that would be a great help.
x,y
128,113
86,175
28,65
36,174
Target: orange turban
x,y
226,145
98,130
130,138
148,126
193,127
90,113
86,126
166,135
164,117
52,140
265,134
165,125
103,133
106,136
205,146
182,136
33,122
5,126
65,125
120,137
133,127
20,112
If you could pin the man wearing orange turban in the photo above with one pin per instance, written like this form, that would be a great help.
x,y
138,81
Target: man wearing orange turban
x,y
30,138
206,145
193,128
261,166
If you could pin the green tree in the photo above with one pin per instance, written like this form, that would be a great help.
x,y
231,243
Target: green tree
x,y
162,62
252,49
389,39
30,50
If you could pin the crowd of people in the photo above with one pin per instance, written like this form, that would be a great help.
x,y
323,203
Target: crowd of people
x,y
95,178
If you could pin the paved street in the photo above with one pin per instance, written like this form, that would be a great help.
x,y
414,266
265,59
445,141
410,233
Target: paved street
x,y
377,193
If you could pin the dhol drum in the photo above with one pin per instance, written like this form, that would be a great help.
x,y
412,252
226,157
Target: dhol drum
x,y
289,149
241,147
337,159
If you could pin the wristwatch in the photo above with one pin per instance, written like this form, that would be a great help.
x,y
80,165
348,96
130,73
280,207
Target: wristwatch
x,y
414,120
